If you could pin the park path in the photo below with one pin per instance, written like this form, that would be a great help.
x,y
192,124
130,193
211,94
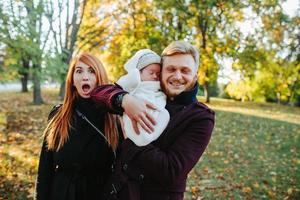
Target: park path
x,y
15,87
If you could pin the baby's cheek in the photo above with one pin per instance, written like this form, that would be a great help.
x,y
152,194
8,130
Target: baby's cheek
x,y
142,75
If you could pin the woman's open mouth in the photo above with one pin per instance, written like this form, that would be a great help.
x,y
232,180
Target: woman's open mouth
x,y
86,88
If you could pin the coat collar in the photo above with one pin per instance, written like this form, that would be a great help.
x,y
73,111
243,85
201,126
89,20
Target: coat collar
x,y
88,108
185,97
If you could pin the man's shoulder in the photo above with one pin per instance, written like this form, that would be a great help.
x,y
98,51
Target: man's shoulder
x,y
203,106
201,109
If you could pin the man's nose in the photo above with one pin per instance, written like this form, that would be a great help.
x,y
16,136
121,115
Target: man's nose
x,y
178,74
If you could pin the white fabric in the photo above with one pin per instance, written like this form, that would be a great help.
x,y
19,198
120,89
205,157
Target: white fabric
x,y
150,91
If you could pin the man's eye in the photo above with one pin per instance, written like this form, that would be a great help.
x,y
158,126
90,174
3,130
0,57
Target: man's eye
x,y
185,71
170,69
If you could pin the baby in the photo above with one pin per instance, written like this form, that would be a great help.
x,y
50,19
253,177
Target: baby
x,y
142,81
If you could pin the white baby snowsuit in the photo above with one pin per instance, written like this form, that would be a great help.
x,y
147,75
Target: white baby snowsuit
x,y
150,91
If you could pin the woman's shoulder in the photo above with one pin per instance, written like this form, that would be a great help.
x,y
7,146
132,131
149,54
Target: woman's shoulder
x,y
54,110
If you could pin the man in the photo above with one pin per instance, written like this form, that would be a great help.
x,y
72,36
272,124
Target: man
x,y
159,170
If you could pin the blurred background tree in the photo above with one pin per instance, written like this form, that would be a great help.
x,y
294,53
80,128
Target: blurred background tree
x,y
269,60
23,36
64,18
39,38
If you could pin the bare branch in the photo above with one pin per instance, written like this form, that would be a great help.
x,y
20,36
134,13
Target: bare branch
x,y
67,27
87,40
49,16
75,28
83,10
12,9
60,26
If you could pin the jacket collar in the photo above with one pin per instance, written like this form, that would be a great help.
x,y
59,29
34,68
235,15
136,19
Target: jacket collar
x,y
87,107
185,97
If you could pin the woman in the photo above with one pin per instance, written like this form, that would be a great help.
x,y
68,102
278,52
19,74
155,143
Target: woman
x,y
80,139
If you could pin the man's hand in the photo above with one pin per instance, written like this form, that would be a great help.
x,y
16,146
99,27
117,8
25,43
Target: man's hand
x,y
137,111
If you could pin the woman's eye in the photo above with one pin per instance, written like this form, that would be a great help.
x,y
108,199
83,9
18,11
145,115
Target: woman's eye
x,y
78,71
91,70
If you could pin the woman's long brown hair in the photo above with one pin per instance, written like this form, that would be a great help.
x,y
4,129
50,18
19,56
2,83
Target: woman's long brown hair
x,y
57,130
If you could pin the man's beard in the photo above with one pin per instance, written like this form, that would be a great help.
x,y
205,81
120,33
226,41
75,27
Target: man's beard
x,y
169,92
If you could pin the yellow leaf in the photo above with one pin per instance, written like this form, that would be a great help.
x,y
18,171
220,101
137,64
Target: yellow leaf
x,y
290,191
256,185
215,153
271,193
247,189
194,190
206,169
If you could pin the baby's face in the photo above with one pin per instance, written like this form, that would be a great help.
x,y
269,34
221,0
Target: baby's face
x,y
151,72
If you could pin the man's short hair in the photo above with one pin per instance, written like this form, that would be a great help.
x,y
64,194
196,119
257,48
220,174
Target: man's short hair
x,y
181,47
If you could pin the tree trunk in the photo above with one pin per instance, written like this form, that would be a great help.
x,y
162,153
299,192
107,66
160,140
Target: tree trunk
x,y
206,92
72,28
66,60
24,72
62,90
297,100
278,97
37,94
202,25
24,81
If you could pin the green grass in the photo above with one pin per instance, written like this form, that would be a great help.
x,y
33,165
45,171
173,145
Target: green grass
x,y
253,153
250,157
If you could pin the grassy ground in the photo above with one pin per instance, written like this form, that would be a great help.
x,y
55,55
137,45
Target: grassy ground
x,y
253,154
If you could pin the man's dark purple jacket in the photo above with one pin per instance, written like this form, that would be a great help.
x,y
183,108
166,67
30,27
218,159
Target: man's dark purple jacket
x,y
160,169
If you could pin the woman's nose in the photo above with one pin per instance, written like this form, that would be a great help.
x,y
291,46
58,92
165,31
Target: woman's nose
x,y
85,76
